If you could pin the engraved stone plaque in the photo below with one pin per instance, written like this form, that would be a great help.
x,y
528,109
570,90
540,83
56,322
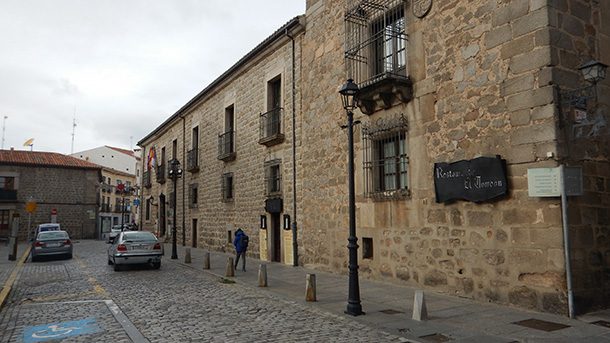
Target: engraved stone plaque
x,y
421,7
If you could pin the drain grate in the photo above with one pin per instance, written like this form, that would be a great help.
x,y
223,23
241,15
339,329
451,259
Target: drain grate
x,y
390,311
541,325
602,323
437,337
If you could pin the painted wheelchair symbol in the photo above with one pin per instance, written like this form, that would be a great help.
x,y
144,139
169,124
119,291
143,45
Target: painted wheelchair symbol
x,y
54,331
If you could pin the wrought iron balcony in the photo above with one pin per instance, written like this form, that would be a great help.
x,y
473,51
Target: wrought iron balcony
x,y
105,208
271,127
118,208
146,179
226,146
160,173
192,160
8,195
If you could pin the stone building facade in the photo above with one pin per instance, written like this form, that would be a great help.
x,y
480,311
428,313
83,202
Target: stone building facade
x,y
235,142
57,183
484,79
440,82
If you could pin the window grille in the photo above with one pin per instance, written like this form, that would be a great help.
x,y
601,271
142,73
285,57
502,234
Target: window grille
x,y
273,177
386,160
227,187
193,195
375,40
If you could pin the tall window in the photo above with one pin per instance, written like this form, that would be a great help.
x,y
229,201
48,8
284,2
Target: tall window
x,y
389,43
227,187
148,204
386,159
195,137
193,195
175,148
274,88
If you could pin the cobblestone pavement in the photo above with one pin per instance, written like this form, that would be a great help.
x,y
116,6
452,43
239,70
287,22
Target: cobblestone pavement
x,y
173,304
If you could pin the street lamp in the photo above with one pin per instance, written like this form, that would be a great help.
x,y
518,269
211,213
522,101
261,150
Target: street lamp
x,y
175,172
593,71
348,92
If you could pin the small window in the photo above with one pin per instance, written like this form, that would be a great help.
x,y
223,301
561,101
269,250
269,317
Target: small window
x,y
229,237
148,203
193,195
367,248
227,187
7,183
273,178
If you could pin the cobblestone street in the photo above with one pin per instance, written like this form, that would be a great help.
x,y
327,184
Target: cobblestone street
x,y
173,304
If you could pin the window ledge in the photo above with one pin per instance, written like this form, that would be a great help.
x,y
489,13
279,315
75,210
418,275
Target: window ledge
x,y
227,157
272,140
384,92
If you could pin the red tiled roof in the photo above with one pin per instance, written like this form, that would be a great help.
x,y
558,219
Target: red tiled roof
x,y
43,159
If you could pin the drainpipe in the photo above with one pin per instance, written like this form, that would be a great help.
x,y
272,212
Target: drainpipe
x,y
183,181
295,246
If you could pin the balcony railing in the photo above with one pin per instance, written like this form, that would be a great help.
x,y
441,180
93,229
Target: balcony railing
x,y
8,195
192,160
118,208
271,127
226,146
106,188
161,173
146,179
105,208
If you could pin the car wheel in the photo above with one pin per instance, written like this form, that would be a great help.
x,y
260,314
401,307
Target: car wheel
x,y
117,267
156,265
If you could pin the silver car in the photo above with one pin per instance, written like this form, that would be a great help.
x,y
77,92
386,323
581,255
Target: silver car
x,y
135,247
51,243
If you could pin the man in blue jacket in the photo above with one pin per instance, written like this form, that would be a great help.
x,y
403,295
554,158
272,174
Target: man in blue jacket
x,y
241,245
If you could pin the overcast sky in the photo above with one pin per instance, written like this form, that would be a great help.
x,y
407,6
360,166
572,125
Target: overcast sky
x,y
122,66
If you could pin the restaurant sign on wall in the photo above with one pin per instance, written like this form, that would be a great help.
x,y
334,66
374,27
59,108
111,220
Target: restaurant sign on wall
x,y
477,180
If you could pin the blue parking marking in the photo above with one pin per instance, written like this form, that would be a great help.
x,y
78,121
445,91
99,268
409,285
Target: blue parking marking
x,y
55,331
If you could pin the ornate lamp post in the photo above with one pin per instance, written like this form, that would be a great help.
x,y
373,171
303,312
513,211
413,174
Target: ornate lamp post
x,y
348,92
175,172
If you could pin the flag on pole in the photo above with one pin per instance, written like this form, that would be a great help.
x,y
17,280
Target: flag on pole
x,y
152,158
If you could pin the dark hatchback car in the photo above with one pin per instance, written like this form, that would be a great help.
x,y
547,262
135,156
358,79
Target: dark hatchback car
x,y
135,247
51,243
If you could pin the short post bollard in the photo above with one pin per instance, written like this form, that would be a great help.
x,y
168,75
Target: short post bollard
x,y
310,288
230,271
187,255
419,306
262,275
206,260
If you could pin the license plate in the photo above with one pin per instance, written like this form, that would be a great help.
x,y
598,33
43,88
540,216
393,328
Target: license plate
x,y
53,245
139,247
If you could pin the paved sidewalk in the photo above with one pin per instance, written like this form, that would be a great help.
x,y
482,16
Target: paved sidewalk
x,y
8,268
389,307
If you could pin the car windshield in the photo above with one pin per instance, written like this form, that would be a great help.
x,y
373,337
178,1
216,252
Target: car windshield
x,y
52,235
138,236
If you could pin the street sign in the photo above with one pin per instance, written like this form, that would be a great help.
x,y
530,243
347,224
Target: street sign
x,y
546,182
30,206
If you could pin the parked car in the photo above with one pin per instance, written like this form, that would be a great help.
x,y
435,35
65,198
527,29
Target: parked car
x,y
46,227
115,230
135,247
51,243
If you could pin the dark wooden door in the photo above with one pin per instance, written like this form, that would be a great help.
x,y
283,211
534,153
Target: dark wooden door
x,y
194,233
276,238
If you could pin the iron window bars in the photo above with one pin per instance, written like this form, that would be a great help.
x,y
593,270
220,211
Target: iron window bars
x,y
273,178
386,160
226,146
271,127
227,187
375,40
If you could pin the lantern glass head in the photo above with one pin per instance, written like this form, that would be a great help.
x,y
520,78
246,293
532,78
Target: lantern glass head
x,y
349,92
175,170
593,71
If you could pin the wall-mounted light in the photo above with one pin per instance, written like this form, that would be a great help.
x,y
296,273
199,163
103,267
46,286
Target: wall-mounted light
x,y
593,71
286,222
263,222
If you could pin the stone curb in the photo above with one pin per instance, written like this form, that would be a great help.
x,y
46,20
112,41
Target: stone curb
x,y
6,288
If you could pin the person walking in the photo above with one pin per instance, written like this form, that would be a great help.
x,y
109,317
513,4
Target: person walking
x,y
241,245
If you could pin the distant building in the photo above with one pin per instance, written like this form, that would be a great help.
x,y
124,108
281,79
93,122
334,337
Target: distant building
x,y
120,166
64,189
